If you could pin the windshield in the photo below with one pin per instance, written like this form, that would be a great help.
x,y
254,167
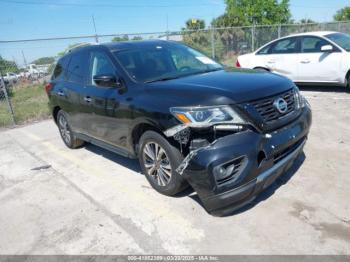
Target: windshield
x,y
343,40
164,62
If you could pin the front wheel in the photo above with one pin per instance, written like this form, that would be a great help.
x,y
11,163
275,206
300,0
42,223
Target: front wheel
x,y
66,132
159,160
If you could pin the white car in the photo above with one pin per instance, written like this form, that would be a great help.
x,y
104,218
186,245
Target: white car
x,y
315,57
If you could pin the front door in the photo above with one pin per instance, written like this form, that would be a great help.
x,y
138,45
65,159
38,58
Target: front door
x,y
318,66
102,104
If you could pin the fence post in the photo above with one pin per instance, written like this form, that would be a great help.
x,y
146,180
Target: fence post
x,y
253,37
213,42
279,31
3,86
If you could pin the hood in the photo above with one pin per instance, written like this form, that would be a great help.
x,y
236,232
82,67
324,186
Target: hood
x,y
227,86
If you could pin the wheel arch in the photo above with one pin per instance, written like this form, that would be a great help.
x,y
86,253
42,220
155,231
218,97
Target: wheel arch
x,y
138,130
347,78
262,68
55,111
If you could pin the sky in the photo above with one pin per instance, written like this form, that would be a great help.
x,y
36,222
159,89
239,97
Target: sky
x,y
27,19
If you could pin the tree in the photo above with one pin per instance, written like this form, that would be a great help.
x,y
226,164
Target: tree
x,y
194,24
248,12
120,38
195,37
307,21
44,61
68,48
137,38
7,66
343,14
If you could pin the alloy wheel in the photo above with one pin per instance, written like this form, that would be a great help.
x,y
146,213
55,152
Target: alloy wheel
x,y
157,163
64,129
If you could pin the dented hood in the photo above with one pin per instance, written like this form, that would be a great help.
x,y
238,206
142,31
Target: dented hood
x,y
220,87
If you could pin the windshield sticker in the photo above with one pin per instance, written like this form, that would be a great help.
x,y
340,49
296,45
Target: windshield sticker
x,y
205,60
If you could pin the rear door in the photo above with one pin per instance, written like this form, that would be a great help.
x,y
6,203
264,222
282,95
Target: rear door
x,y
58,80
283,57
318,66
73,86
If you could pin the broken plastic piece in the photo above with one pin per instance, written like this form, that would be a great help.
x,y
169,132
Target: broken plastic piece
x,y
184,164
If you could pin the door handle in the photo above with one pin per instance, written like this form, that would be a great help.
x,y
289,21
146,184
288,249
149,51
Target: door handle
x,y
60,93
271,61
87,99
306,61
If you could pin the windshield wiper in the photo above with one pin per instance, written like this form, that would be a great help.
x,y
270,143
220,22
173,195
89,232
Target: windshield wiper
x,y
163,79
184,75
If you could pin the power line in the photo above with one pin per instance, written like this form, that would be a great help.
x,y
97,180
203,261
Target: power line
x,y
104,4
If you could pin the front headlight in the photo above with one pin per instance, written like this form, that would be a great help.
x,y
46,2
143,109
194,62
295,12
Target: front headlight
x,y
300,101
206,115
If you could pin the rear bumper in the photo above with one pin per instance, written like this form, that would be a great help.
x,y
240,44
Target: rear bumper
x,y
279,148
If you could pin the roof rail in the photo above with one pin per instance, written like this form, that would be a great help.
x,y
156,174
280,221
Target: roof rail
x,y
79,46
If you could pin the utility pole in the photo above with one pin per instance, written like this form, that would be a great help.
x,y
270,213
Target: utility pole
x,y
24,59
93,22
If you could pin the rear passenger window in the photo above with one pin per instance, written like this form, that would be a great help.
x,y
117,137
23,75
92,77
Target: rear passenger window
x,y
76,68
265,50
60,69
285,46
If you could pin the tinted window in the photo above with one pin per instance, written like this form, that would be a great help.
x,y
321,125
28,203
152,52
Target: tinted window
x,y
76,68
312,44
343,40
60,68
285,46
164,61
100,64
265,50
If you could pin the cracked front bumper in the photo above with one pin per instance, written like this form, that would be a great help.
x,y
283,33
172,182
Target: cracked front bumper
x,y
280,148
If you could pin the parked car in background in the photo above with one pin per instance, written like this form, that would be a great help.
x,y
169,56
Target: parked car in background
x,y
34,73
315,57
229,133
10,79
4,84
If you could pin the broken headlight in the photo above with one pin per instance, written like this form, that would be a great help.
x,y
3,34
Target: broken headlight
x,y
206,115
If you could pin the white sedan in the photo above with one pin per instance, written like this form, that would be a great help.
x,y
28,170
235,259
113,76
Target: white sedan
x,y
315,57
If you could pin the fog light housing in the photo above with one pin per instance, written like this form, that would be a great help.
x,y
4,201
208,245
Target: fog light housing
x,y
229,171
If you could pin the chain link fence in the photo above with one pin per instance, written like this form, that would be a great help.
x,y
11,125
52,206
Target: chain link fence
x,y
25,65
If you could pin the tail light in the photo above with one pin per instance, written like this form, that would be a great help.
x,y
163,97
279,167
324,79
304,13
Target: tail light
x,y
238,64
48,87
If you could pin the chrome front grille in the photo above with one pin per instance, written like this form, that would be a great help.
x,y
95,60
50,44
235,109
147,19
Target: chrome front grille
x,y
269,112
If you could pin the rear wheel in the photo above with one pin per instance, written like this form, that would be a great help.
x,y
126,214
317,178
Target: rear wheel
x,y
66,132
159,160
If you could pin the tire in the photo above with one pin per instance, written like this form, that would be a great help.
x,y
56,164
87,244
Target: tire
x,y
161,171
66,132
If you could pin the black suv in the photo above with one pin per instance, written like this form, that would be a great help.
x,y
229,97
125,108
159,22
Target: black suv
x,y
228,133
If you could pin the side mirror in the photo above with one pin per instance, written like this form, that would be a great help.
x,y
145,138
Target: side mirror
x,y
106,80
327,48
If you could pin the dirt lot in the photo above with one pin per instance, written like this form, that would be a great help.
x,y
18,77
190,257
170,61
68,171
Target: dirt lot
x,y
88,201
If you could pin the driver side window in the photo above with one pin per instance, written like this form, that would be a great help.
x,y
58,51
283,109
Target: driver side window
x,y
100,64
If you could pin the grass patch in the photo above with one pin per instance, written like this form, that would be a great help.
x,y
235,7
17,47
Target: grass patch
x,y
29,103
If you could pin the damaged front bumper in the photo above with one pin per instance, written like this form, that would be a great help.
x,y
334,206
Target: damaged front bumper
x,y
255,161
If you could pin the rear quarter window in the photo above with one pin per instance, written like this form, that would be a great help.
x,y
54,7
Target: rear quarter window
x,y
60,69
